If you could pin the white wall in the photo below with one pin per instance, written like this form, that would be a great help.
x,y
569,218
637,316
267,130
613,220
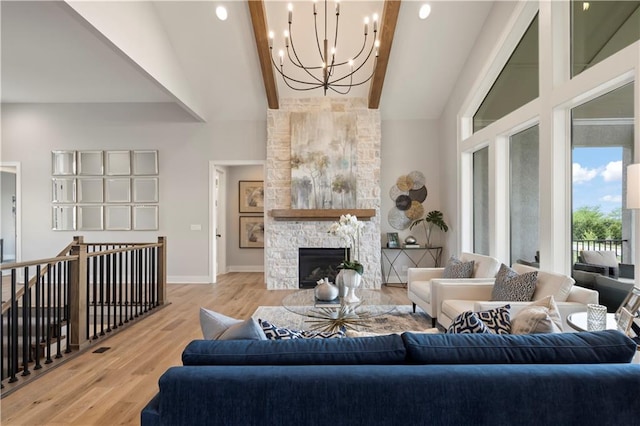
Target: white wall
x,y
448,123
240,259
134,28
31,131
409,145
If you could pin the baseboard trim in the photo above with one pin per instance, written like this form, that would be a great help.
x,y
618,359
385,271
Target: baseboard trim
x,y
245,268
188,279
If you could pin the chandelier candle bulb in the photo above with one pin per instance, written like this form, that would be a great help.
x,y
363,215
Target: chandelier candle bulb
x,y
336,74
271,39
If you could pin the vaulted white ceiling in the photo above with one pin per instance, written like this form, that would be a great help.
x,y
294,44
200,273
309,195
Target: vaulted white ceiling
x,y
50,54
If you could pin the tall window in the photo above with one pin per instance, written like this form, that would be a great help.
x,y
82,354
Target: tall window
x,y
481,201
524,194
601,28
517,83
602,147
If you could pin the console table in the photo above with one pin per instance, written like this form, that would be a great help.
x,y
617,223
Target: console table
x,y
416,256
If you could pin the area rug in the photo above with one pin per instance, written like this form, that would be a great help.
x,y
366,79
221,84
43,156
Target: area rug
x,y
400,318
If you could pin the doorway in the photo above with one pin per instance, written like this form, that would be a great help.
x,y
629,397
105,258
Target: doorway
x,y
10,239
225,254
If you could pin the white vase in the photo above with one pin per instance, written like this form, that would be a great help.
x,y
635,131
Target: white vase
x,y
342,290
326,291
352,281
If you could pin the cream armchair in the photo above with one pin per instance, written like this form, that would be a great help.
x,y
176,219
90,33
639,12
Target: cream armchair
x,y
419,281
459,298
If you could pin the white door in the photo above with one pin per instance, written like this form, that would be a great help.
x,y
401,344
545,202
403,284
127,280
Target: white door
x,y
219,253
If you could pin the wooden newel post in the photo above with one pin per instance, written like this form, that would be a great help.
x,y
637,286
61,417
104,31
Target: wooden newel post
x,y
162,271
78,296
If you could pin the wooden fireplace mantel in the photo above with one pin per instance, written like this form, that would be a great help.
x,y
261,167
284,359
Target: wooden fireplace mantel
x,y
320,214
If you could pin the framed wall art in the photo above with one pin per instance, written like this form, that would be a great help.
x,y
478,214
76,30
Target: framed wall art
x,y
392,240
251,195
251,231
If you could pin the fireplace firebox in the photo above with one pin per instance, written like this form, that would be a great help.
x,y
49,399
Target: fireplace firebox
x,y
317,263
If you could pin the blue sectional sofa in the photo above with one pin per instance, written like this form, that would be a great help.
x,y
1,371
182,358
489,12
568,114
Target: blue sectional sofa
x,y
409,379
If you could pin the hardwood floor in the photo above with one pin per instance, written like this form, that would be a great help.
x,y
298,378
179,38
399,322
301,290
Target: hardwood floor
x,y
112,387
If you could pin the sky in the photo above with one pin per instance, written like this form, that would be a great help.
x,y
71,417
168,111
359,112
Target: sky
x,y
597,178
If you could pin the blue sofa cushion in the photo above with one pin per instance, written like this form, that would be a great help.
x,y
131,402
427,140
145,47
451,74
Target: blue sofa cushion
x,y
388,349
609,346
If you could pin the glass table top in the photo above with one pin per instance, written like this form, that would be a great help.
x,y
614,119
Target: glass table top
x,y
373,303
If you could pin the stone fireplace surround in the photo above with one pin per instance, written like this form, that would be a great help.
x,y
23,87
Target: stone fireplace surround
x,y
284,237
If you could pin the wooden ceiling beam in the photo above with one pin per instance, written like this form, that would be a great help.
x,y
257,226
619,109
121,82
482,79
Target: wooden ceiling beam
x,y
387,30
259,24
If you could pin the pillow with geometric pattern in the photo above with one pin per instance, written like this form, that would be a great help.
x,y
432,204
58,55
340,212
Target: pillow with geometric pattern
x,y
497,320
456,268
468,322
509,286
274,332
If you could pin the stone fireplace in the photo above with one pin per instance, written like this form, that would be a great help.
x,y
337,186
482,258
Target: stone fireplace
x,y
283,238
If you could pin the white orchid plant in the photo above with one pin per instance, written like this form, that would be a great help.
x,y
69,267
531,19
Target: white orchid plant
x,y
348,228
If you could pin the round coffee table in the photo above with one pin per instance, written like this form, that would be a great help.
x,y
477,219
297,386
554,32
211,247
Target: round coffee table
x,y
373,303
578,321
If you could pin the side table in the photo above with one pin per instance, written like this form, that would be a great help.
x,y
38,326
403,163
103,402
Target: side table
x,y
416,256
578,321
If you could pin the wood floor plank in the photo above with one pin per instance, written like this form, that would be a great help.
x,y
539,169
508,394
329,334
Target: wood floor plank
x,y
111,388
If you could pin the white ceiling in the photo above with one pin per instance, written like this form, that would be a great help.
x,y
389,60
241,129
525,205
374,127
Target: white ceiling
x,y
49,55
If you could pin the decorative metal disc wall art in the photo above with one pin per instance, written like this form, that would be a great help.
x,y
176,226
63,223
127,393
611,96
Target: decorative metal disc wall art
x,y
408,194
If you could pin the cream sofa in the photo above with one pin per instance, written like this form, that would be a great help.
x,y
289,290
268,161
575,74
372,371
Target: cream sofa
x,y
420,288
459,298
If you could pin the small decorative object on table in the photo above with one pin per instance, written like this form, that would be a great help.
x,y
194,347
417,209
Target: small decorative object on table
x,y
392,240
596,317
349,228
325,291
352,280
411,242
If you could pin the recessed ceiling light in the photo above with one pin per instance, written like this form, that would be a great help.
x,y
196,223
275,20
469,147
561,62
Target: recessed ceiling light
x,y
221,13
425,10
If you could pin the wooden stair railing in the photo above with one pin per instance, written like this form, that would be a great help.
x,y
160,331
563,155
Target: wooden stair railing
x,y
102,284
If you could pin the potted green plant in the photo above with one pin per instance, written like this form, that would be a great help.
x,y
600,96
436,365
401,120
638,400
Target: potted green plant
x,y
433,218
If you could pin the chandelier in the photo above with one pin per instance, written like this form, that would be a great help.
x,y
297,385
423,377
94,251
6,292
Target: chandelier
x,y
329,73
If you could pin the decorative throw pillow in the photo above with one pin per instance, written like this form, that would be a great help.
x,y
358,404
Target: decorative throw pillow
x,y
541,316
458,269
274,332
511,287
310,334
468,322
277,333
216,326
497,320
